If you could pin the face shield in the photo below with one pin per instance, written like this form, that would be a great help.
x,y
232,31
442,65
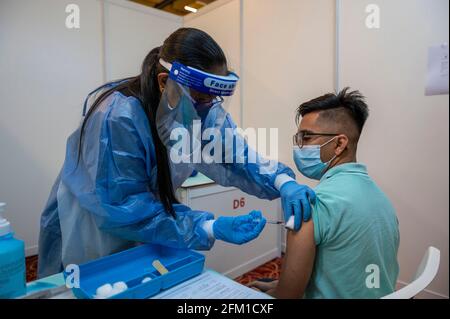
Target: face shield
x,y
192,101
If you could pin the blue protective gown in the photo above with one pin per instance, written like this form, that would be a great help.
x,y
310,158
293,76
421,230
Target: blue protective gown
x,y
108,202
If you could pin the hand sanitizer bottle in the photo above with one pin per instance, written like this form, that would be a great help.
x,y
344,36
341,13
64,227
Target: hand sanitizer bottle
x,y
12,261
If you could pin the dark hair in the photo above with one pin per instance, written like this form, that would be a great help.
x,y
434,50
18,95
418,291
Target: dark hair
x,y
186,45
351,103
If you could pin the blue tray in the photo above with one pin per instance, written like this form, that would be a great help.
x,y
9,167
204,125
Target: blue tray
x,y
132,266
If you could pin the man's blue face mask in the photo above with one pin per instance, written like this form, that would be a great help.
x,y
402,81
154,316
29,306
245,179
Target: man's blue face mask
x,y
308,160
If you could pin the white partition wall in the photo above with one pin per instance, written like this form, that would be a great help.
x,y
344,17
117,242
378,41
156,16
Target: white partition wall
x,y
46,70
131,31
405,144
44,76
284,55
288,59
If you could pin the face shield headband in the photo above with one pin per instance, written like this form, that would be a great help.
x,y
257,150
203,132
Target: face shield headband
x,y
201,81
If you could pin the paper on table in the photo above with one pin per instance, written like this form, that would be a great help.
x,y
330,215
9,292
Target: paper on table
x,y
437,76
208,285
211,285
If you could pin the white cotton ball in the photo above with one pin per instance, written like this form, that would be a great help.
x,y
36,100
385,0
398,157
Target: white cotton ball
x,y
146,279
104,291
290,223
118,288
107,290
122,286
115,291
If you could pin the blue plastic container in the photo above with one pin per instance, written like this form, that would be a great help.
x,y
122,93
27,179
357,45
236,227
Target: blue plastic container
x,y
12,261
132,266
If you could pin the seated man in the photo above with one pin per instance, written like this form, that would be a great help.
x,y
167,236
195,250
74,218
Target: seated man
x,y
349,248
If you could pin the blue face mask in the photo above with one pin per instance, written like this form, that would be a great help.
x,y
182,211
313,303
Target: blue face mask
x,y
202,111
308,162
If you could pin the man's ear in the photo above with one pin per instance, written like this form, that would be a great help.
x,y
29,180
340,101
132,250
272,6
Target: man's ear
x,y
162,80
342,144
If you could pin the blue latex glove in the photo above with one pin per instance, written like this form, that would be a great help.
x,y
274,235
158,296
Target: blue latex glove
x,y
239,230
296,200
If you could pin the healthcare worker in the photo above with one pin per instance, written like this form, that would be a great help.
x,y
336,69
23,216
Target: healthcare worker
x,y
116,187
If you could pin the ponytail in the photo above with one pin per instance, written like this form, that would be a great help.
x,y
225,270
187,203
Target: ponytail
x,y
150,97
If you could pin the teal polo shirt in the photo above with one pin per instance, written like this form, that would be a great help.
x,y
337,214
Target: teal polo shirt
x,y
356,235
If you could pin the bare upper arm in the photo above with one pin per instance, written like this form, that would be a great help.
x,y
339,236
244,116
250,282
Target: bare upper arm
x,y
298,262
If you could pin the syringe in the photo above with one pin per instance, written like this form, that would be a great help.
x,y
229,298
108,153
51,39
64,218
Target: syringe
x,y
289,224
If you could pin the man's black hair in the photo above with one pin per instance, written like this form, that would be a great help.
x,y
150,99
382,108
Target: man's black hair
x,y
352,104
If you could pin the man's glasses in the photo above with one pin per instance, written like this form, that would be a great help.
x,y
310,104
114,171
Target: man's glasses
x,y
301,137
